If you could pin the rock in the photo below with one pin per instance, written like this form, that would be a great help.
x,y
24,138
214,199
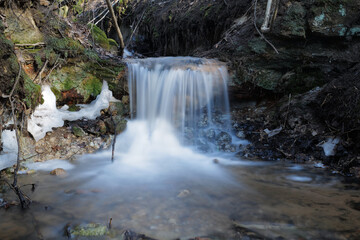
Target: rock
x,y
210,134
21,27
125,100
223,138
88,230
116,108
240,134
120,123
102,127
203,122
183,193
78,131
58,172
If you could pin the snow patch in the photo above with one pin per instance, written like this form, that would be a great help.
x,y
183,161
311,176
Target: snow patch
x,y
46,116
329,146
8,156
10,148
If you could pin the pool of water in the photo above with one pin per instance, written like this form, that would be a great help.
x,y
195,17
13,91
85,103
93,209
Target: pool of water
x,y
182,200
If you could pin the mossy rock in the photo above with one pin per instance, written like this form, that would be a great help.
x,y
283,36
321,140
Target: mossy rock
x,y
32,92
75,77
101,39
89,230
78,131
22,27
65,46
293,24
268,79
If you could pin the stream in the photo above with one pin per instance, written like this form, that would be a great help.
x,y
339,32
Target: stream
x,y
175,174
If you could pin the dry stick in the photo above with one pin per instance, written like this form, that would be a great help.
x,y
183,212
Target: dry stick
x,y
261,34
41,71
113,144
24,200
52,69
122,46
106,10
38,44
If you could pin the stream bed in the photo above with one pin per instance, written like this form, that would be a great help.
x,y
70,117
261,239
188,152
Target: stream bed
x,y
271,199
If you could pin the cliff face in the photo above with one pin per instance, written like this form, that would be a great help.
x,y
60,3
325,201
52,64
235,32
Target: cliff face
x,y
318,45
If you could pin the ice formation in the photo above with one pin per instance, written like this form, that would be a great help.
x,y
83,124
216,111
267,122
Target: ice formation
x,y
10,148
329,146
46,116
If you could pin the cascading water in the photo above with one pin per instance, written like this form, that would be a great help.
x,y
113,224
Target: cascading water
x,y
189,94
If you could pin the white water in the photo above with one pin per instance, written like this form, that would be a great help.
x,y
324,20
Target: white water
x,y
168,96
190,94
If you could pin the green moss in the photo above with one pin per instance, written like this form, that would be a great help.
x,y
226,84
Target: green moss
x,y
74,108
92,86
38,61
79,132
112,42
100,37
32,92
89,230
66,46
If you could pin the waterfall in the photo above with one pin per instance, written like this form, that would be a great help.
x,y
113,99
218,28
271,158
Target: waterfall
x,y
190,94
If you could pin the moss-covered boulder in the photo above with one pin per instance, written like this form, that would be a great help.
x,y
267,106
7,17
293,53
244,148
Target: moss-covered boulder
x,y
21,27
101,39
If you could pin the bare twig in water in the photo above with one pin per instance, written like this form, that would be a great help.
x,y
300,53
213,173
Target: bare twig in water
x,y
24,200
110,223
114,141
260,33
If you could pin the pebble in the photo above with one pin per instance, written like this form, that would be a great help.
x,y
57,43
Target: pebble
x,y
58,172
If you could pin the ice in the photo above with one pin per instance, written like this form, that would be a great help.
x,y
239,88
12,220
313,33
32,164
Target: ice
x,y
46,116
329,146
10,148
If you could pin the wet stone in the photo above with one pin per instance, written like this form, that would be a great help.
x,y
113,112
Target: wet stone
x,y
78,131
223,138
210,134
58,172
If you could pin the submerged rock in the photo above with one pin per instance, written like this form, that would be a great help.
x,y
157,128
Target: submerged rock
x,y
88,230
58,172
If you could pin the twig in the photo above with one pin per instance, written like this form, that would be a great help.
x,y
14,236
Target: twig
x,y
24,45
41,71
260,33
52,69
114,141
24,200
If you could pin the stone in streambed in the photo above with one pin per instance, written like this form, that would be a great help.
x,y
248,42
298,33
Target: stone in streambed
x,y
58,172
78,131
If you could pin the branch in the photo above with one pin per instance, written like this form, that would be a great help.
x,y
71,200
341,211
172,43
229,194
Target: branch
x,y
122,46
26,45
24,200
261,34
